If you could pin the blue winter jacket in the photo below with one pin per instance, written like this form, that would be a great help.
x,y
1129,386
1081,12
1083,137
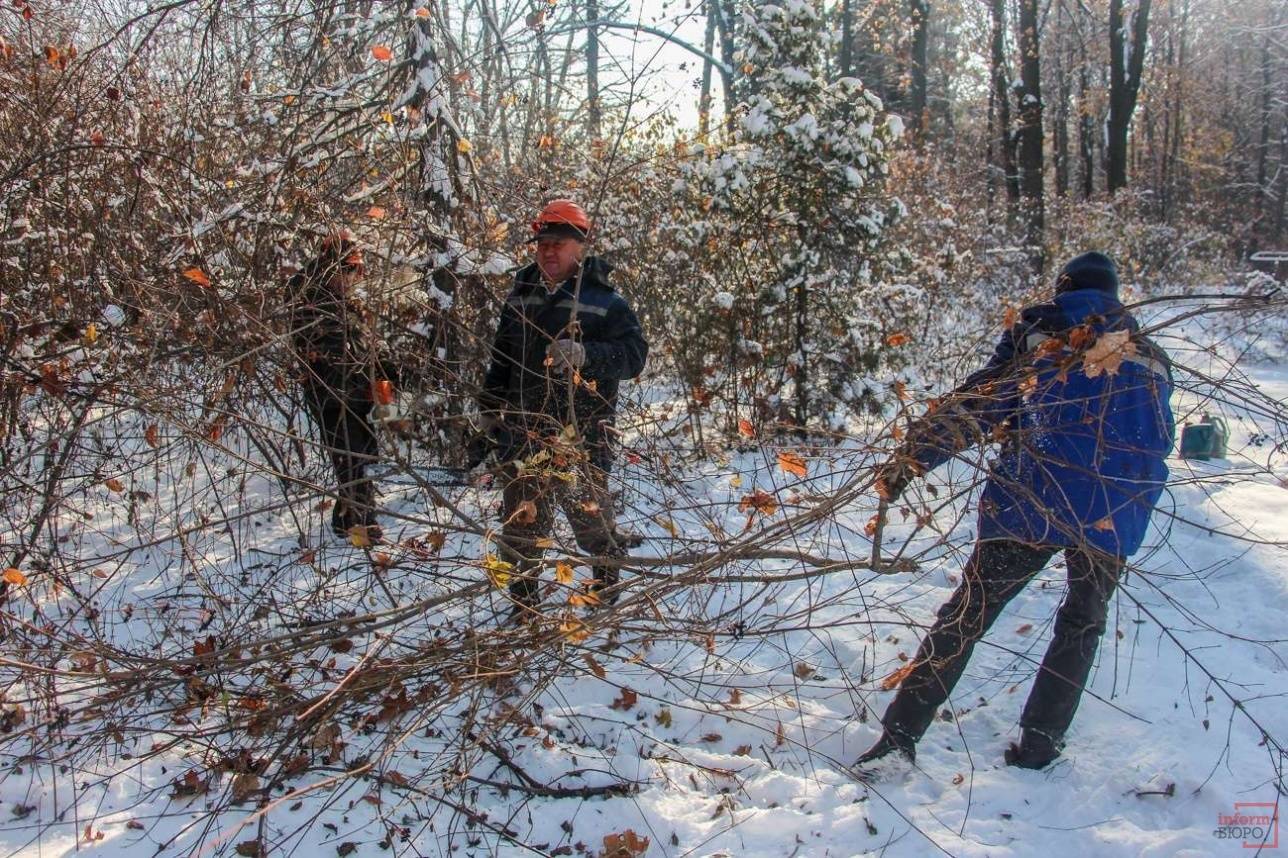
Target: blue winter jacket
x,y
1083,458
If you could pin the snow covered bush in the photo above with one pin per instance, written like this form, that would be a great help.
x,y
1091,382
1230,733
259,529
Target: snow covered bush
x,y
786,218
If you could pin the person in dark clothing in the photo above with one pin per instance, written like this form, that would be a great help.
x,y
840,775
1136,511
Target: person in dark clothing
x,y
564,342
342,379
1080,401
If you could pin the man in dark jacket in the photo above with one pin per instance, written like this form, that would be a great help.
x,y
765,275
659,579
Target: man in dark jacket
x,y
1080,401
563,344
342,378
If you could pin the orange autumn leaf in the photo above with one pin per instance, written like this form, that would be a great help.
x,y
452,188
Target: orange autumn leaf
x,y
376,213
114,485
574,631
1082,336
382,391
792,464
627,844
583,600
892,681
762,502
898,338
563,573
382,53
870,529
422,13
14,577
196,275
745,429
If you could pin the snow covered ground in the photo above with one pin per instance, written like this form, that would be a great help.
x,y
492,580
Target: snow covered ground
x,y
734,707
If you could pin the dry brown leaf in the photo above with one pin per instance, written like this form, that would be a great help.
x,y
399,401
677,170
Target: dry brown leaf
x,y
1108,353
595,667
758,501
792,464
627,844
892,681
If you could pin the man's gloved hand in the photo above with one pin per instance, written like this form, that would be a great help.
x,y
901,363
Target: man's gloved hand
x,y
892,478
566,355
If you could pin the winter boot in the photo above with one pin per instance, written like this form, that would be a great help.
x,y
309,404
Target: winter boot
x,y
1036,750
605,585
525,596
891,757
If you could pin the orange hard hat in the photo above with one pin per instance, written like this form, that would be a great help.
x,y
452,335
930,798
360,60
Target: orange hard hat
x,y
341,249
562,217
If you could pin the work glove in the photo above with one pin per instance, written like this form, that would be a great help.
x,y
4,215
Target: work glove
x,y
566,355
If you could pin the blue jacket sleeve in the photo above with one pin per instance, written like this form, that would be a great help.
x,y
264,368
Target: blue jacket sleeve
x,y
984,401
620,352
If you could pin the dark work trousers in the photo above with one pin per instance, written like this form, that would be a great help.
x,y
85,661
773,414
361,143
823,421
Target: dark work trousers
x,y
527,512
351,444
996,571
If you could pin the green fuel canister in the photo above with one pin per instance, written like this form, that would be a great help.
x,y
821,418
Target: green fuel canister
x,y
1205,440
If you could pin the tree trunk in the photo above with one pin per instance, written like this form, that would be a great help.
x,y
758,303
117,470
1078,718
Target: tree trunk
x,y
1126,61
1063,93
1086,122
920,19
1173,160
802,378
1264,195
990,164
847,38
1002,96
440,191
1031,132
708,45
1282,176
724,12
592,71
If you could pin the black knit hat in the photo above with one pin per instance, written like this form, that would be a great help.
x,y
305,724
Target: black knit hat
x,y
1089,271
